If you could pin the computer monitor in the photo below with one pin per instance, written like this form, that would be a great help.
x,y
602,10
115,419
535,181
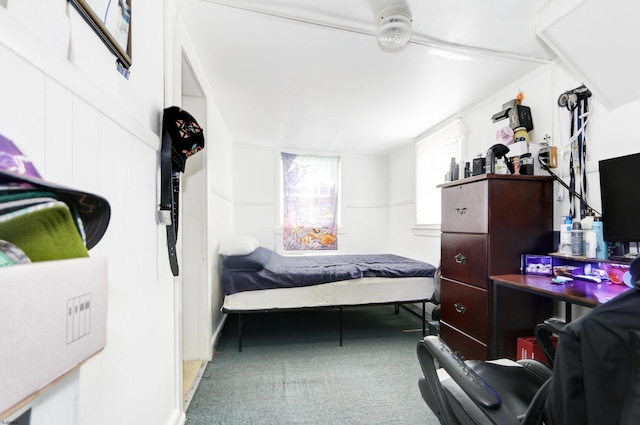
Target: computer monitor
x,y
620,196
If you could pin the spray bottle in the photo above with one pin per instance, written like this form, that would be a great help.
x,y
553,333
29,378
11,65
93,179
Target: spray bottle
x,y
565,236
602,251
577,240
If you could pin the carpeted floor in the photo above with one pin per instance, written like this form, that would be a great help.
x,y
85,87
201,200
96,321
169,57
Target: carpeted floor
x,y
293,371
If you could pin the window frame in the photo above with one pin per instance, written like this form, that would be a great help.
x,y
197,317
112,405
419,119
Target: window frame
x,y
447,141
279,229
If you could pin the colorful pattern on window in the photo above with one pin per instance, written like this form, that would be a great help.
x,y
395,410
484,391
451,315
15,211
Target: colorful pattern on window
x,y
310,189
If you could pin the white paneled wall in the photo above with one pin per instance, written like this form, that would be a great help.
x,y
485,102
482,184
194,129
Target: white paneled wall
x,y
81,136
364,199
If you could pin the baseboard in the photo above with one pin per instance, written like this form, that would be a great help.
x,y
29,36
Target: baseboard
x,y
216,335
178,418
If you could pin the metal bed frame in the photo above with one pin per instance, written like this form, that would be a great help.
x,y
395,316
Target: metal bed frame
x,y
340,308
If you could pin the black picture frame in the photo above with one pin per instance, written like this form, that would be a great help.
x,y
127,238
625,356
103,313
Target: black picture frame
x,y
112,24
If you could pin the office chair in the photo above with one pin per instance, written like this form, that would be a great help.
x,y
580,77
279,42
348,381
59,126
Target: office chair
x,y
543,332
528,392
475,392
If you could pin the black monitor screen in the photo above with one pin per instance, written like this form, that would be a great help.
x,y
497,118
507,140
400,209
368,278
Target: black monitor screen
x,y
619,178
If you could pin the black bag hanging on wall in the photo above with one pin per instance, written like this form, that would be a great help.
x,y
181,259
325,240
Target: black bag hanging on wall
x,y
182,137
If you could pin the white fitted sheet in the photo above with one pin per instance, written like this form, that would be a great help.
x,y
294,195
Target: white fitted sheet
x,y
366,290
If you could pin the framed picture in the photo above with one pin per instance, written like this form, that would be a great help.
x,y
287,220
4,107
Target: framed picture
x,y
111,20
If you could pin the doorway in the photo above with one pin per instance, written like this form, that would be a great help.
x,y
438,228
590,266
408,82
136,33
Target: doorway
x,y
195,281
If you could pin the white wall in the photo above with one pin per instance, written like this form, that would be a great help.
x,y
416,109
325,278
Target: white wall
x,y
610,134
364,225
405,239
86,126
81,132
607,133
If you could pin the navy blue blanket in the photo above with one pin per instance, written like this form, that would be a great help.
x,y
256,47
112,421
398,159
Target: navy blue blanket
x,y
265,269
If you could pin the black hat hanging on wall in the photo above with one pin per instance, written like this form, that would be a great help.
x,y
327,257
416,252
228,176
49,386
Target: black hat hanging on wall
x,y
182,137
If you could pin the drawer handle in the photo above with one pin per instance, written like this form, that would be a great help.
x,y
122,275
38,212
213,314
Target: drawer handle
x,y
460,308
461,210
460,259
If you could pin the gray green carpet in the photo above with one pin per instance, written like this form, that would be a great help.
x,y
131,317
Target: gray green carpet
x,y
293,371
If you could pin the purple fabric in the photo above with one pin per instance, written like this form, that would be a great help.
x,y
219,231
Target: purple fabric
x,y
288,272
14,161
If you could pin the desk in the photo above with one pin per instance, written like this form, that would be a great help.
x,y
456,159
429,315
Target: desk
x,y
577,292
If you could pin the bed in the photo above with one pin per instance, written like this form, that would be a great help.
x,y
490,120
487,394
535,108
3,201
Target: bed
x,y
256,279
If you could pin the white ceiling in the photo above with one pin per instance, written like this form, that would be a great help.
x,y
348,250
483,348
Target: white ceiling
x,y
308,74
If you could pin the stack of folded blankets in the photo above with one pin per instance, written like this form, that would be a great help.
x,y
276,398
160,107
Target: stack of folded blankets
x,y
41,221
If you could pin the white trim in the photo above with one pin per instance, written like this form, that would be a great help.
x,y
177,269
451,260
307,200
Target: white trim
x,y
438,127
432,230
178,418
248,203
402,202
367,205
216,190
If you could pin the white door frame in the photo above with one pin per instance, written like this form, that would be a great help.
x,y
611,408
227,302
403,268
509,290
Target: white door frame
x,y
192,288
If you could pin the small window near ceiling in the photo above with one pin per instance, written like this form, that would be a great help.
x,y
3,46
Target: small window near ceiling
x,y
310,202
433,159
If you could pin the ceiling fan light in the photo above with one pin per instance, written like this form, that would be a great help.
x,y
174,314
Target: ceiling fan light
x,y
394,28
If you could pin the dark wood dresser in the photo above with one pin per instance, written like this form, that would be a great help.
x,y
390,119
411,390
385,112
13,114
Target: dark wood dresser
x,y
488,222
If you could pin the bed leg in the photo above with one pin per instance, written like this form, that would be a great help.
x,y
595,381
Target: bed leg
x,y
396,308
240,328
424,317
340,326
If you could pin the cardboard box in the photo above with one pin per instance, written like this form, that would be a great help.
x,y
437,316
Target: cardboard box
x,y
528,348
52,318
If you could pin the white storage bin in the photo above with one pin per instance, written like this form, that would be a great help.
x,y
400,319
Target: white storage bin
x,y
52,318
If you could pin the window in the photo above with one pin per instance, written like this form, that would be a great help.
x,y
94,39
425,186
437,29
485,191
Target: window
x,y
433,157
310,202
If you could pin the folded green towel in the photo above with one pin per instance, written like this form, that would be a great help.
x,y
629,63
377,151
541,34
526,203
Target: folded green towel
x,y
44,232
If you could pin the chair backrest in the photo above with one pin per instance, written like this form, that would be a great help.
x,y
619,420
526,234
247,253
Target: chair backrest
x,y
431,388
631,410
468,398
593,364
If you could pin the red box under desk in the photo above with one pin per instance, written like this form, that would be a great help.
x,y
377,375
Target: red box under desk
x,y
528,348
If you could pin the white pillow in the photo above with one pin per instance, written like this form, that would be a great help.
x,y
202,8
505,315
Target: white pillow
x,y
238,245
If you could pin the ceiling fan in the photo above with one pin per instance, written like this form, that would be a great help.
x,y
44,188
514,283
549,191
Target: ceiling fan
x,y
394,33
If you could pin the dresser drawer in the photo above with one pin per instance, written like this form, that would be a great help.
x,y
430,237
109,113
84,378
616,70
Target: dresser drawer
x,y
466,347
464,258
465,307
465,208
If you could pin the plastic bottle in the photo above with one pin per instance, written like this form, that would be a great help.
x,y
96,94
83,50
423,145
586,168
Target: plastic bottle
x,y
590,244
577,240
602,252
501,166
467,170
453,169
565,236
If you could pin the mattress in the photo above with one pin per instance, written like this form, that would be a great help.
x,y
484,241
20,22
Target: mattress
x,y
264,269
366,290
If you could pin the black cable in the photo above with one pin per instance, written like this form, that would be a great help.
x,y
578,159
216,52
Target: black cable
x,y
573,192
